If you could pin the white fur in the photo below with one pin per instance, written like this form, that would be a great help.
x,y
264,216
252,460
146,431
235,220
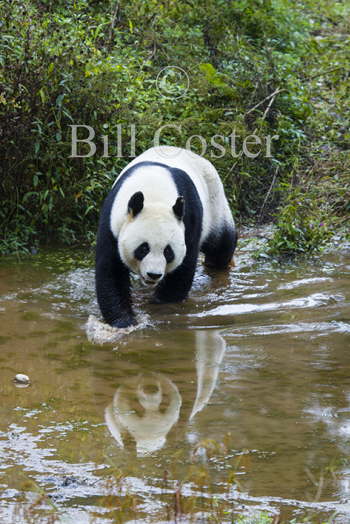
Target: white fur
x,y
157,224
202,173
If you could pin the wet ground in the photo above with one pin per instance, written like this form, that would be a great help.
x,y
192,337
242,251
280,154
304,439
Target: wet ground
x,y
233,403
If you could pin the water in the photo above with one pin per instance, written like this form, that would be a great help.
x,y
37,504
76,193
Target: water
x,y
235,402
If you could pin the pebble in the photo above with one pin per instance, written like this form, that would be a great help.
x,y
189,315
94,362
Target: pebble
x,y
21,380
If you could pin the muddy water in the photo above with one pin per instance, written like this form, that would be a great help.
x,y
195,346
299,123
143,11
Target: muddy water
x,y
234,402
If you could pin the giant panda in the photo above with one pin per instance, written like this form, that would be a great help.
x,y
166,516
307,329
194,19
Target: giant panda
x,y
165,206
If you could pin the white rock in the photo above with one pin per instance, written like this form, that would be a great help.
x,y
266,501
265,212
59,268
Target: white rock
x,y
21,379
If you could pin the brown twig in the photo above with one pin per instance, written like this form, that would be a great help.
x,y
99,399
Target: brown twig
x,y
322,73
154,50
113,21
272,95
268,193
269,106
177,502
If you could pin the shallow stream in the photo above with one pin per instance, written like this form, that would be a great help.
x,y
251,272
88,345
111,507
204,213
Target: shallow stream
x,y
235,402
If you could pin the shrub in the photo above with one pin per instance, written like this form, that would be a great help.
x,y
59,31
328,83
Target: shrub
x,y
96,63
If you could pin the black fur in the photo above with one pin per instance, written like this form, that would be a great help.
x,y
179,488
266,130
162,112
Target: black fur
x,y
178,207
113,277
135,204
175,286
169,254
218,248
141,251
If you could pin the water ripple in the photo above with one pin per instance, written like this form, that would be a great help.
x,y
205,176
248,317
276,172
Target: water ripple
x,y
314,300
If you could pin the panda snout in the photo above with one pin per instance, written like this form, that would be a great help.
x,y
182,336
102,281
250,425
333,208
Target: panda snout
x,y
154,276
151,279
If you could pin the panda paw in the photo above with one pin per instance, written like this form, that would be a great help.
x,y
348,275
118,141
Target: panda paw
x,y
99,332
124,323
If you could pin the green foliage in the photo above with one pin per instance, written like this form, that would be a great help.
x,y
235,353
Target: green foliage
x,y
96,63
318,205
301,228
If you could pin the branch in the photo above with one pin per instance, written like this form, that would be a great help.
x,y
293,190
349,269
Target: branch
x,y
113,21
273,95
268,193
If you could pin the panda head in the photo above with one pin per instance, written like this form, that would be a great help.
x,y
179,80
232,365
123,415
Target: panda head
x,y
152,240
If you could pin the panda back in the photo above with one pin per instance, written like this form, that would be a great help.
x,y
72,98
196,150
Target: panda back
x,y
160,173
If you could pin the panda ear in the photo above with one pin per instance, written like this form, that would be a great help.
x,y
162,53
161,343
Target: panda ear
x,y
179,207
135,204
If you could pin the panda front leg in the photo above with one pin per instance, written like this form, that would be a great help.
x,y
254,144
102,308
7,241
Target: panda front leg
x,y
176,285
113,289
219,247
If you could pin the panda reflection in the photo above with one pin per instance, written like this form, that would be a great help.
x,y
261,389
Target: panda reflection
x,y
166,206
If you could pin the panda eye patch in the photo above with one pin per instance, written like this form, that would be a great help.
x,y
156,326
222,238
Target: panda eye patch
x,y
141,251
169,254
